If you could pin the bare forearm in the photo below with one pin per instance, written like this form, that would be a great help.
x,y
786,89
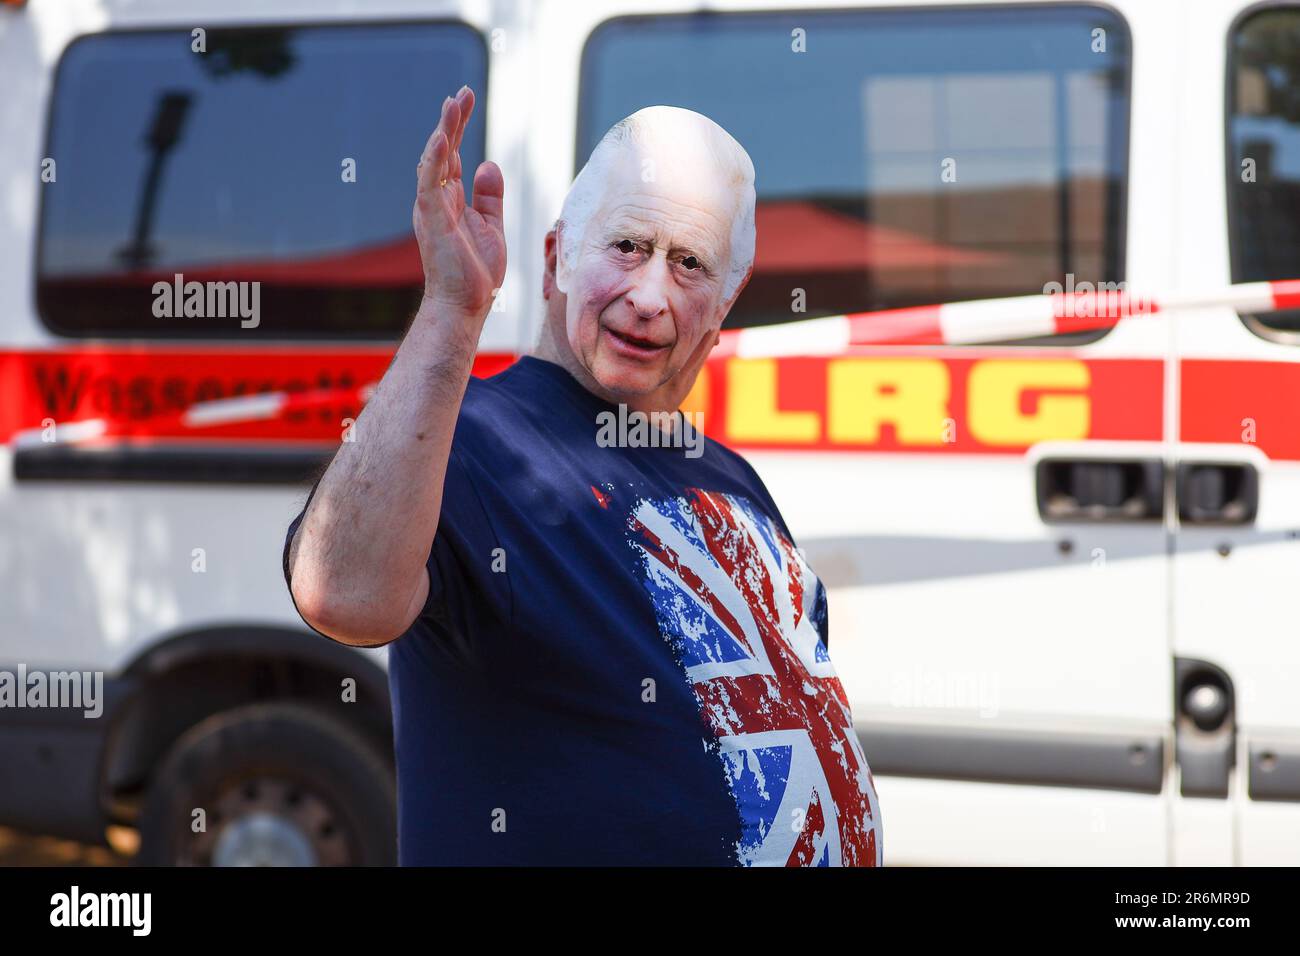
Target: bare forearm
x,y
358,560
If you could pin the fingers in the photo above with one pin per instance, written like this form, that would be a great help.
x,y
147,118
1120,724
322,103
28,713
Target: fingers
x,y
465,104
433,163
464,101
440,161
432,168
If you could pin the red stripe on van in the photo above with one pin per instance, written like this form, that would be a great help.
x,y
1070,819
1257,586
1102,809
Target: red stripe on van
x,y
893,401
142,387
1236,402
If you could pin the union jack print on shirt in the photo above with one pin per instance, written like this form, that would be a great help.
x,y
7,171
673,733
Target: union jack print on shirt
x,y
742,611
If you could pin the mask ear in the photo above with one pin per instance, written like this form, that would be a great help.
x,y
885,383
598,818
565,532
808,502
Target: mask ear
x,y
549,247
559,267
726,306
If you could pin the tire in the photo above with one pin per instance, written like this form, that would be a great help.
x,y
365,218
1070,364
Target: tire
x,y
280,784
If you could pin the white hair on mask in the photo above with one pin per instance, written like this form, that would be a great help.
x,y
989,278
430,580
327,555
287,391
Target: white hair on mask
x,y
671,132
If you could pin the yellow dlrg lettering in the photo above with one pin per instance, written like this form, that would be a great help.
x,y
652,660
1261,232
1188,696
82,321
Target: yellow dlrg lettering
x,y
752,414
696,401
910,394
993,399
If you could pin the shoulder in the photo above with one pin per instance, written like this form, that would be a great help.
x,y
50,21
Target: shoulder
x,y
483,395
733,461
489,411
731,458
748,477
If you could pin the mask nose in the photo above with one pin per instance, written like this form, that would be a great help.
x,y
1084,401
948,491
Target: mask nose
x,y
649,293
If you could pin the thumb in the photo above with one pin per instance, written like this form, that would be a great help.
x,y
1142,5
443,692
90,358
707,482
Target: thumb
x,y
489,190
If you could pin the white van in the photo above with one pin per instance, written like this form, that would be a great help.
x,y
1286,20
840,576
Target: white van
x,y
1059,567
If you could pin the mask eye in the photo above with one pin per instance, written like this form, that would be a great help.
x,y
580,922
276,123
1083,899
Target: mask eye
x,y
690,263
625,246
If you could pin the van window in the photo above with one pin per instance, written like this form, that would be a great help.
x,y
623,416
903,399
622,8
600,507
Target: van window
x,y
1264,153
905,157
278,156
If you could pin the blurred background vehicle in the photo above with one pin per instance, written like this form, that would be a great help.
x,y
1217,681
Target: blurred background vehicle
x,y
1059,567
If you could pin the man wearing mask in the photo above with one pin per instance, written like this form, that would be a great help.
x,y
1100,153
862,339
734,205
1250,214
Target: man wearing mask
x,y
599,654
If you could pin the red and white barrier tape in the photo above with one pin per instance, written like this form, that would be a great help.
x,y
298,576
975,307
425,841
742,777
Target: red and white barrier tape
x,y
953,323
267,406
990,320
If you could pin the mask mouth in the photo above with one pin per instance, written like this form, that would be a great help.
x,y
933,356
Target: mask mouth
x,y
637,343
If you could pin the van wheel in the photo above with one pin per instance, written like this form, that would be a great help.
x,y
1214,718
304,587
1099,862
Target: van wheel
x,y
279,785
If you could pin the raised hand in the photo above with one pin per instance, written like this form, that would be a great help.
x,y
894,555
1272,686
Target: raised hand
x,y
463,248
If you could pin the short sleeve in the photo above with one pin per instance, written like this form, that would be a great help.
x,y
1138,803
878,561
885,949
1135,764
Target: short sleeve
x,y
468,589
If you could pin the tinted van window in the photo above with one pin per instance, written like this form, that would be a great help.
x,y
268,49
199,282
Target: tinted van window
x,y
281,156
1264,152
906,157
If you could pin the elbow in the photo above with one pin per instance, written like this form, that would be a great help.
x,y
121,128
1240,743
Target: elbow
x,y
357,623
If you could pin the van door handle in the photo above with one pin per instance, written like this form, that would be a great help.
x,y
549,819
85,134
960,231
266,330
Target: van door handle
x,y
1101,489
1217,492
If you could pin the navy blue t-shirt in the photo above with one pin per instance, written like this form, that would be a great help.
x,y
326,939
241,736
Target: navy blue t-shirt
x,y
622,659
